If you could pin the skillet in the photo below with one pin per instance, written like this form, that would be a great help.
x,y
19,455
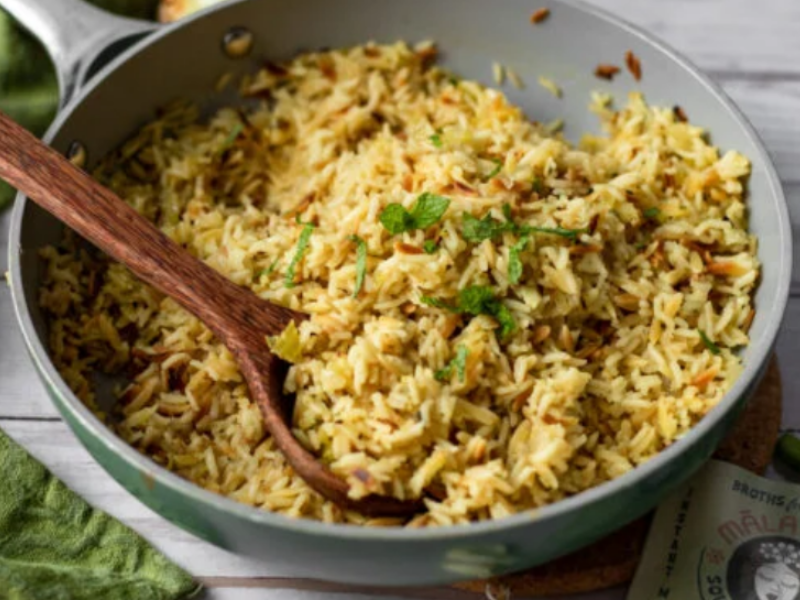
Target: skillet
x,y
115,72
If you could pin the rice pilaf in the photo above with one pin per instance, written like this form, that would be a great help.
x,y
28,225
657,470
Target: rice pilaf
x,y
499,319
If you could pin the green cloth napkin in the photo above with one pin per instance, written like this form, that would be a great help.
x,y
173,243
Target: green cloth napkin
x,y
54,546
28,88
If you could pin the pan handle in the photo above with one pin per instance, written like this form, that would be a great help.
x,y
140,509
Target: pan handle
x,y
79,37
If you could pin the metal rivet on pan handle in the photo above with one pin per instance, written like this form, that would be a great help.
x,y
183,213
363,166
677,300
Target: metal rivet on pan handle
x,y
238,42
76,154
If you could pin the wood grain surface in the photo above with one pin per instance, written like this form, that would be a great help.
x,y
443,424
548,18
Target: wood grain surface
x,y
750,48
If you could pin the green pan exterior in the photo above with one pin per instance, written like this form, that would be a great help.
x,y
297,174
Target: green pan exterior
x,y
185,60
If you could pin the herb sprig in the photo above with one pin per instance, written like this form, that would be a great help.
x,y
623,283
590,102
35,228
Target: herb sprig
x,y
479,300
235,132
570,234
361,262
514,260
269,270
427,211
652,213
459,363
430,247
498,166
712,347
489,228
302,246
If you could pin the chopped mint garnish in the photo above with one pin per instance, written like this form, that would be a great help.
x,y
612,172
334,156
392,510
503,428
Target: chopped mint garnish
x,y
498,166
302,246
479,300
430,247
427,211
712,347
514,260
459,363
361,262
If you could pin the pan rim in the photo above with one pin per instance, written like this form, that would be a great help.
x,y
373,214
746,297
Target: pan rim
x,y
210,500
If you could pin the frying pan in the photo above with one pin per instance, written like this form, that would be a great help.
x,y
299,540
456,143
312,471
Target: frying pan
x,y
115,72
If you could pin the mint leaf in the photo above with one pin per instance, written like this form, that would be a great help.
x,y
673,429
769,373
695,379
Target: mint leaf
x,y
270,270
506,320
459,363
235,133
396,219
498,165
488,228
476,299
302,246
712,347
479,300
571,234
428,210
444,374
436,303
652,213
430,247
514,261
361,262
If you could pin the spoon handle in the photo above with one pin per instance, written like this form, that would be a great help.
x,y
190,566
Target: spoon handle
x,y
102,218
235,314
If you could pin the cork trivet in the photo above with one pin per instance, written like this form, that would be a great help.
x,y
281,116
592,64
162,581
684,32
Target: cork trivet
x,y
612,561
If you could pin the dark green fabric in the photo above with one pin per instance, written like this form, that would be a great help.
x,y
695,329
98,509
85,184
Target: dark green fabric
x,y
54,546
28,89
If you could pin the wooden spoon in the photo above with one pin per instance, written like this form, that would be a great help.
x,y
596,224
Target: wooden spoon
x,y
235,314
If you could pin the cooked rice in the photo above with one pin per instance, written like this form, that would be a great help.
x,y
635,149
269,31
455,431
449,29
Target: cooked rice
x,y
515,79
606,366
551,86
498,73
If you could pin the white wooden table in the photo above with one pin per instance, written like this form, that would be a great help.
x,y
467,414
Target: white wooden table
x,y
752,49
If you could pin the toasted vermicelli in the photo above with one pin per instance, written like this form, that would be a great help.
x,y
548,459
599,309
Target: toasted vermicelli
x,y
499,319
